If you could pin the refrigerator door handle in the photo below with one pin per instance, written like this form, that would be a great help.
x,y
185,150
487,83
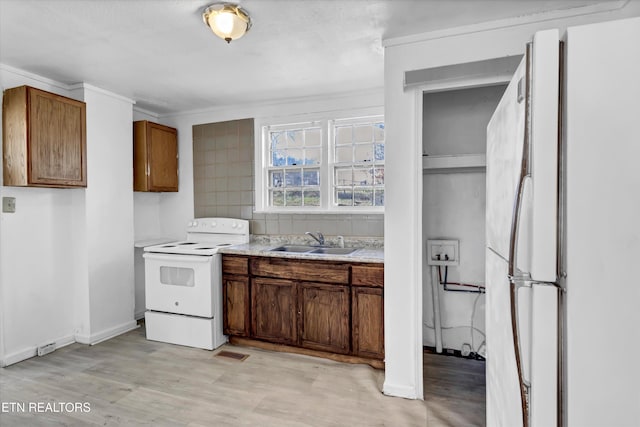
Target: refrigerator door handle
x,y
524,170
514,275
516,285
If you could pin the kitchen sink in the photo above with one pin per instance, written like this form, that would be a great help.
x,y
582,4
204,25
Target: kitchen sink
x,y
292,248
334,251
313,250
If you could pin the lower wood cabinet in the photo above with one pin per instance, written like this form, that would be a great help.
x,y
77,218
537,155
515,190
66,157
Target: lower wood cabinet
x,y
367,322
235,297
316,305
273,310
324,317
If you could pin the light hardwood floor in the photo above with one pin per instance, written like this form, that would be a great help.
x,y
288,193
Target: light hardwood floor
x,y
129,381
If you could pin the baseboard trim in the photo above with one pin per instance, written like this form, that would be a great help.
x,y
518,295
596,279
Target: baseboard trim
x,y
107,334
396,390
30,352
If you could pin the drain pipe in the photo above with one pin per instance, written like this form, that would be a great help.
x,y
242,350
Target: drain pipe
x,y
435,290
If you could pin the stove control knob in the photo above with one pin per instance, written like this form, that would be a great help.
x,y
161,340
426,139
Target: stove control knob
x,y
234,224
195,223
213,224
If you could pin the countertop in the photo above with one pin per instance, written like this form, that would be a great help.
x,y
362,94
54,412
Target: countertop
x,y
365,254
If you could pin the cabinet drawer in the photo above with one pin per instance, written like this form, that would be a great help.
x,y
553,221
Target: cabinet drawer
x,y
235,265
313,271
367,275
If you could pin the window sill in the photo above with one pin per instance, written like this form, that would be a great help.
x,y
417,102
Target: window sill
x,y
321,212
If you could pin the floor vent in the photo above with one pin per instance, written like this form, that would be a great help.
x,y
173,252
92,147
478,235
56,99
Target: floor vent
x,y
232,355
46,349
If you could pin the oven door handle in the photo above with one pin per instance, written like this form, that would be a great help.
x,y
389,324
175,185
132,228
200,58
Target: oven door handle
x,y
177,257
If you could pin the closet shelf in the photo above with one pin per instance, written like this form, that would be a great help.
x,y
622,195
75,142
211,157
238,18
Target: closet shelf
x,y
454,163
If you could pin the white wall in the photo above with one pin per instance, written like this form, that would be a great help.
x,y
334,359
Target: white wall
x,y
66,255
453,208
403,228
37,267
109,214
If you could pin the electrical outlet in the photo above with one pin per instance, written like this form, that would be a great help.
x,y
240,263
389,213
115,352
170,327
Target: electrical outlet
x,y
8,204
443,252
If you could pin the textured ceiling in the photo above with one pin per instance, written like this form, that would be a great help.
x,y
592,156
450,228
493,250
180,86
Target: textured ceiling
x,y
159,52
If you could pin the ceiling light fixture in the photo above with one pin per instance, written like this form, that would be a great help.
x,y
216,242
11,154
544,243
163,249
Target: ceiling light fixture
x,y
227,20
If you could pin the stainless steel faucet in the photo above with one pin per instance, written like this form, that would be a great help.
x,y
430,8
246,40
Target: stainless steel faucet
x,y
318,238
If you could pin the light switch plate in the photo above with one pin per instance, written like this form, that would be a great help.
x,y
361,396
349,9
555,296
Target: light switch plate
x,y
443,252
8,204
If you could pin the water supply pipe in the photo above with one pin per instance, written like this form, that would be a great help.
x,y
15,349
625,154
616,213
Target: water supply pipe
x,y
435,289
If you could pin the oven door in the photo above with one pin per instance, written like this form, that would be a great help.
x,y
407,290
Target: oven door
x,y
182,284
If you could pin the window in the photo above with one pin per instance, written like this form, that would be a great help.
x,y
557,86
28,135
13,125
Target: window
x,y
295,159
358,167
333,165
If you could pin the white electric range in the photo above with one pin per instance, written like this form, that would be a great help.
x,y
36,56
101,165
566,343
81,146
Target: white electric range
x,y
183,283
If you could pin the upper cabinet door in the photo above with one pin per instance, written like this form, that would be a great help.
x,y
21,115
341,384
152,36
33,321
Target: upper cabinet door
x,y
155,157
44,143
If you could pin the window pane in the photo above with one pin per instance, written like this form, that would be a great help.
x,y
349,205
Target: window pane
x,y
293,198
378,132
344,176
279,158
363,133
363,198
379,152
379,176
311,177
295,138
344,154
313,156
363,153
312,138
293,178
276,178
343,135
277,140
312,198
277,197
379,197
362,176
344,197
294,157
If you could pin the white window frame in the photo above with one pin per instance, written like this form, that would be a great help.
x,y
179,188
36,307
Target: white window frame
x,y
325,120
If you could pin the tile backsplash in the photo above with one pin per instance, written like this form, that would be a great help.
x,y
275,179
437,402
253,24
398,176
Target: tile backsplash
x,y
224,186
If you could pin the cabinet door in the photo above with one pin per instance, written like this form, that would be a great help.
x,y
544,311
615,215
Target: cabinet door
x,y
324,317
273,310
155,157
57,140
368,322
163,158
235,294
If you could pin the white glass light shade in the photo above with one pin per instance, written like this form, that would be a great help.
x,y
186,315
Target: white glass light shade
x,y
227,21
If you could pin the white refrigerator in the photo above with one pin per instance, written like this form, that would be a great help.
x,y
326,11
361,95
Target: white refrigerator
x,y
563,233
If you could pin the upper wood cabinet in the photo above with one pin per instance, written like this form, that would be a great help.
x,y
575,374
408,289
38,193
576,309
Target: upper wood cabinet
x,y
155,157
44,139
